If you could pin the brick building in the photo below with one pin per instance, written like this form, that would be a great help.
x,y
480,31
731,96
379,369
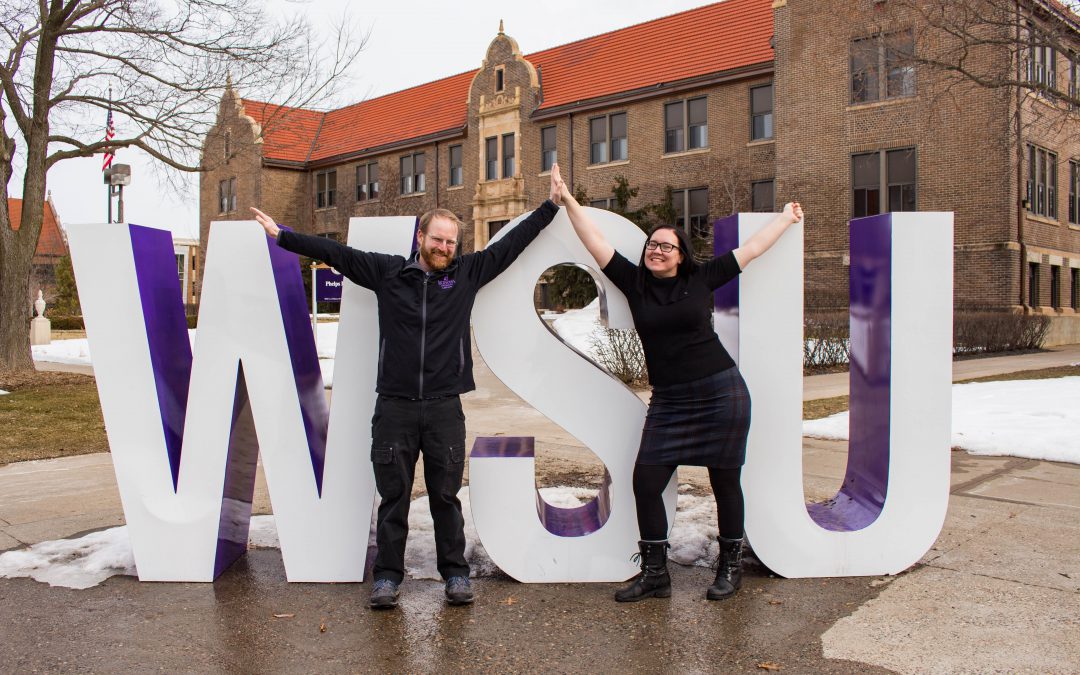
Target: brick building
x,y
51,247
737,105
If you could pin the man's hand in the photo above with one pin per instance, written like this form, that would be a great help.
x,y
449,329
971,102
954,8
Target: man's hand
x,y
556,185
267,223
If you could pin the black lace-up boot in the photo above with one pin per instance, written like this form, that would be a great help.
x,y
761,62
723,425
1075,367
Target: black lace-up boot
x,y
654,581
728,570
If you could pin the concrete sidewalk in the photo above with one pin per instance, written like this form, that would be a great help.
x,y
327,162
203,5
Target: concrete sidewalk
x,y
999,591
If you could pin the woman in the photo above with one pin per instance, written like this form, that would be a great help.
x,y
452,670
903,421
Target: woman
x,y
699,414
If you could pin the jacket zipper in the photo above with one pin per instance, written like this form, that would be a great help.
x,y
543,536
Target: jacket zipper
x,y
423,331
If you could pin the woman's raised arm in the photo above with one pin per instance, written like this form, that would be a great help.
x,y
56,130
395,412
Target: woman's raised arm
x,y
595,242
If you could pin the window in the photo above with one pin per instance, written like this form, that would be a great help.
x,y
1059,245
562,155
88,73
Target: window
x,y
227,195
691,209
494,226
761,120
686,125
325,189
1055,286
882,67
1074,192
412,173
598,140
607,139
602,203
491,158
1033,284
180,267
500,78
508,155
883,181
549,154
1042,182
618,137
762,196
1042,60
367,181
866,184
900,174
1075,288
456,173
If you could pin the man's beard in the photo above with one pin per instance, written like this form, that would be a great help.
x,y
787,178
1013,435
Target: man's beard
x,y
435,259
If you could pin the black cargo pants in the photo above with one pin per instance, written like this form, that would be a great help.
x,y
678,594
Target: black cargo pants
x,y
401,429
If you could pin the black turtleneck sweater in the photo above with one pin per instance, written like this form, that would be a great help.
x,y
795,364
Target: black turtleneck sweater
x,y
673,317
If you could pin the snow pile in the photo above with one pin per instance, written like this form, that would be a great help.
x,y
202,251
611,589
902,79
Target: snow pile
x,y
76,351
1037,419
2,392
577,327
90,560
73,563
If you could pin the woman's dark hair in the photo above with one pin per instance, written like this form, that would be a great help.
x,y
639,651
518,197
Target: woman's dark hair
x,y
686,267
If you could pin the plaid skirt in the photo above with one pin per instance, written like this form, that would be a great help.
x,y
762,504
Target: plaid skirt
x,y
699,423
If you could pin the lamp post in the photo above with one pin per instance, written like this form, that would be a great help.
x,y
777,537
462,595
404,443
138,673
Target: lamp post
x,y
116,177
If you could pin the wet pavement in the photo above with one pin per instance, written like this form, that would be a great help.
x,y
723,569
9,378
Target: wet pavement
x,y
999,591
229,626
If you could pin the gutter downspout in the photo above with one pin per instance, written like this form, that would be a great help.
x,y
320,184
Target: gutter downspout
x,y
1020,182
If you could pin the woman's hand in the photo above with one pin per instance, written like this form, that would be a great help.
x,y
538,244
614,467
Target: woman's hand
x,y
793,211
267,223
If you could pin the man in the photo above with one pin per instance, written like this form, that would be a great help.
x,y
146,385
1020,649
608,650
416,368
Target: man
x,y
425,363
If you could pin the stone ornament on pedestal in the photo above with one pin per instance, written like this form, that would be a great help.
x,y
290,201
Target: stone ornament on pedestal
x,y
40,327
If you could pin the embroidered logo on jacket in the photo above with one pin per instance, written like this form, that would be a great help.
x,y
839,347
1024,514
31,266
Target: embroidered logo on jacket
x,y
446,283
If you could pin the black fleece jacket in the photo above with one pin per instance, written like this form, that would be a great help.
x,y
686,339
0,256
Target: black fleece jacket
x,y
424,345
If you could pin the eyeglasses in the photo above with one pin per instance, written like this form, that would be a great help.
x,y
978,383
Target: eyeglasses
x,y
439,241
663,246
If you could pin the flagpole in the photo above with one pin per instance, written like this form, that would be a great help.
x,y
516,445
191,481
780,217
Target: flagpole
x,y
106,164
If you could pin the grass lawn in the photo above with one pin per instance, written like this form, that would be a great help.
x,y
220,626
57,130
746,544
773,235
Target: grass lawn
x,y
50,415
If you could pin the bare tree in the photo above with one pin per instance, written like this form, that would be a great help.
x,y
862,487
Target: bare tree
x,y
166,66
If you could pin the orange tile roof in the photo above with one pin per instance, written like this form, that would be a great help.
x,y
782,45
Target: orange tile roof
x,y
287,132
50,244
411,113
715,38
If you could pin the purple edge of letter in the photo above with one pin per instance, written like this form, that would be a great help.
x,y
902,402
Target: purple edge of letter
x,y
171,360
861,497
574,521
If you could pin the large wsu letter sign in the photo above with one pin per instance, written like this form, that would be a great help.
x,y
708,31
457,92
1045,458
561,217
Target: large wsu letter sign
x,y
186,426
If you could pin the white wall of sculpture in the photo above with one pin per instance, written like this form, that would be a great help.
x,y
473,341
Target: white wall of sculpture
x,y
186,425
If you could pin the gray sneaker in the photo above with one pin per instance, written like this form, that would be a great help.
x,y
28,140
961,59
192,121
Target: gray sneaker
x,y
458,591
384,594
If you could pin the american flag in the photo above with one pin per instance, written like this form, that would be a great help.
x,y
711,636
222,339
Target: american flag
x,y
110,131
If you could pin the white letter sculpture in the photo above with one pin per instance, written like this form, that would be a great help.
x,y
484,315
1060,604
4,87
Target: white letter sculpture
x,y
892,503
185,462
528,538
185,432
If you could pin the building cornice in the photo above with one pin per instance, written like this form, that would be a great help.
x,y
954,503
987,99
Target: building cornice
x,y
656,90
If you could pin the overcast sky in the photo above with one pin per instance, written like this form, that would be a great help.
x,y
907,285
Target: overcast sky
x,y
410,43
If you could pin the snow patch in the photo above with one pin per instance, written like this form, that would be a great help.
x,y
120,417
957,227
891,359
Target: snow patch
x,y
73,563
1036,419
91,559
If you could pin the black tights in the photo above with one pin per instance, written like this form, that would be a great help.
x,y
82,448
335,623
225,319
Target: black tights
x,y
649,483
